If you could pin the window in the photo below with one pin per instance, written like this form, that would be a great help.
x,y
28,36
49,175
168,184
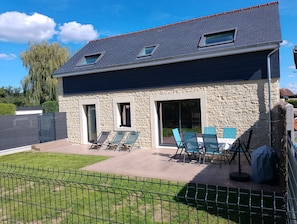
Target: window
x,y
186,111
147,51
182,114
217,38
90,59
125,114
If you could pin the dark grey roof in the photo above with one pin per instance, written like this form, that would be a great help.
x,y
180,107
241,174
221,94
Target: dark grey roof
x,y
258,28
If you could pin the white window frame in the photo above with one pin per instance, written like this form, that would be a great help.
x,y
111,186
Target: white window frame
x,y
117,115
168,97
142,53
202,42
83,60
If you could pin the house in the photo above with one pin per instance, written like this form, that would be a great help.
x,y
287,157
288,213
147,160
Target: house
x,y
285,93
28,110
218,70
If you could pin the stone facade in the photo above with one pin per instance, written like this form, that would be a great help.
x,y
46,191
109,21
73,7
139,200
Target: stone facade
x,y
236,104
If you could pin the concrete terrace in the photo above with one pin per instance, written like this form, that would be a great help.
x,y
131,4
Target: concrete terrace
x,y
156,163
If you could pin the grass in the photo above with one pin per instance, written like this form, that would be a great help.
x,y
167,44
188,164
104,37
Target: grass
x,y
66,195
51,160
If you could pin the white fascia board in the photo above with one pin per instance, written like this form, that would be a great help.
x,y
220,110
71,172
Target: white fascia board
x,y
199,55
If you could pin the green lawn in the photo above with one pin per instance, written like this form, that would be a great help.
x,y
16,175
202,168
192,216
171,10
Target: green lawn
x,y
51,160
43,187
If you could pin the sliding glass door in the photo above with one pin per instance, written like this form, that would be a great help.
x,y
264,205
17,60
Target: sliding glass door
x,y
182,114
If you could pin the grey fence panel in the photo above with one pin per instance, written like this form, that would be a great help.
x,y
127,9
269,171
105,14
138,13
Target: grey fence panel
x,y
47,127
61,125
23,130
17,131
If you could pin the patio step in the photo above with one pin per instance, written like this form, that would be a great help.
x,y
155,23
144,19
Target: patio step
x,y
50,145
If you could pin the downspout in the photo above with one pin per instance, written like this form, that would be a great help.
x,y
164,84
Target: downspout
x,y
269,92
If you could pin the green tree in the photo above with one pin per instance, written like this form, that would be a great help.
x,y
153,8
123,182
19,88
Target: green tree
x,y
42,60
12,95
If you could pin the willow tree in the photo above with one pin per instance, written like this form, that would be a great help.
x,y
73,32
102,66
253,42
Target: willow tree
x,y
42,60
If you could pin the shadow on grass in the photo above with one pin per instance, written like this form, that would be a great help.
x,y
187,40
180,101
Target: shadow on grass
x,y
237,205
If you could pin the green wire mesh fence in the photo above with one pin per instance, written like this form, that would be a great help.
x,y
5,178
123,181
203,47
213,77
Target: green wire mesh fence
x,y
33,195
292,183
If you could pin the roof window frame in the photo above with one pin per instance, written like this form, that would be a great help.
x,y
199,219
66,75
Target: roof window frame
x,y
143,54
203,39
83,61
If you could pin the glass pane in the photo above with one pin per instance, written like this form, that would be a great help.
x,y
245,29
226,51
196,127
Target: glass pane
x,y
91,121
125,115
169,118
149,50
146,51
191,116
91,59
219,38
184,115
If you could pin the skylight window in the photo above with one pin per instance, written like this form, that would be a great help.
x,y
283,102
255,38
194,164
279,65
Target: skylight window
x,y
147,51
211,39
90,59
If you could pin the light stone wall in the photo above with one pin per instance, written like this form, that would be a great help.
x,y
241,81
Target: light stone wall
x,y
236,104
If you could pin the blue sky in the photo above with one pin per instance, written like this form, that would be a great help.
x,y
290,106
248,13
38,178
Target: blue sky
x,y
73,23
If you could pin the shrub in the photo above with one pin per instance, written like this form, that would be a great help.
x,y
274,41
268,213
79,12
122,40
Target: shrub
x,y
7,109
50,107
293,102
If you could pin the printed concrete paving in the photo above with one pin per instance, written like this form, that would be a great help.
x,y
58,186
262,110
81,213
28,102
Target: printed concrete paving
x,y
156,163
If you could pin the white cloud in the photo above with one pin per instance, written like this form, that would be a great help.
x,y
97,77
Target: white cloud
x,y
292,67
286,43
76,32
7,56
23,28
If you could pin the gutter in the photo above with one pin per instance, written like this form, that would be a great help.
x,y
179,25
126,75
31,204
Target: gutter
x,y
269,92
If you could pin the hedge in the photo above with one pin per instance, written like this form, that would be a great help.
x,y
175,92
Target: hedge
x,y
7,109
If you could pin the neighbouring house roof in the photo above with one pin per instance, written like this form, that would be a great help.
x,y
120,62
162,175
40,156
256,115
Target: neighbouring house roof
x,y
286,92
28,110
256,28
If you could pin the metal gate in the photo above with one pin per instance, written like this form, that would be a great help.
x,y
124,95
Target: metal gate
x,y
47,127
24,130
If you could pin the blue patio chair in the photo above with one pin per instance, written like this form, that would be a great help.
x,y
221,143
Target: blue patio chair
x,y
192,147
211,146
99,142
229,132
178,141
210,130
116,140
129,141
